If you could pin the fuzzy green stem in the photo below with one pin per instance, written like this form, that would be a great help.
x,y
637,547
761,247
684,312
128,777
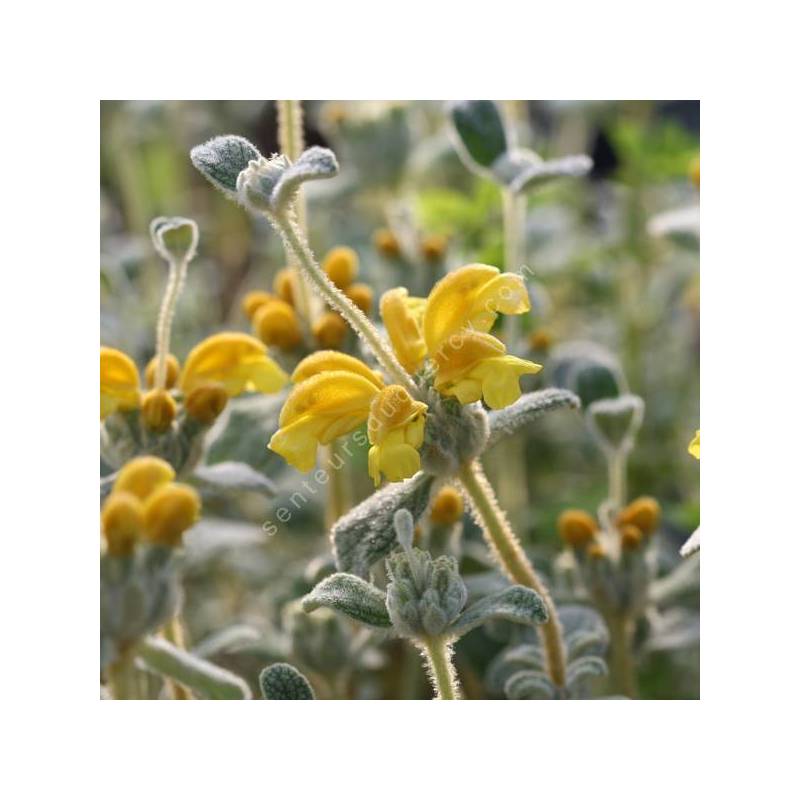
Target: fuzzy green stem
x,y
439,657
291,142
623,672
353,315
173,632
339,497
175,283
507,550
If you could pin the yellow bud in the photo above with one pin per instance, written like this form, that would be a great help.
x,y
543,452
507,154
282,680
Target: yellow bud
x,y
341,266
447,507
576,527
644,513
361,295
173,371
386,243
596,550
206,403
143,475
169,512
283,285
434,247
630,537
541,340
330,330
694,171
122,519
275,323
252,301
158,410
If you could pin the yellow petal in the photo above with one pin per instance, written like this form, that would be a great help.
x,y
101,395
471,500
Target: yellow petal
x,y
471,298
119,382
694,445
143,475
236,361
333,394
392,409
395,458
463,351
500,379
330,361
402,315
297,443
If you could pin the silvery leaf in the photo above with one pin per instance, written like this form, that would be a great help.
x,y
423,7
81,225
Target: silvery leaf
x,y
222,159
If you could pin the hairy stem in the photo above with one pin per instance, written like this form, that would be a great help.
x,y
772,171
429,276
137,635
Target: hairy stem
x,y
617,490
507,550
175,283
353,315
623,671
173,632
291,142
439,657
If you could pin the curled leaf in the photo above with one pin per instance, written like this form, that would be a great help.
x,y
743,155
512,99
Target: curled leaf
x,y
313,164
222,158
529,685
507,421
583,668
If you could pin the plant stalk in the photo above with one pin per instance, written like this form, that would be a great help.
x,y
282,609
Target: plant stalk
x,y
617,489
438,656
353,315
122,679
291,142
507,550
175,283
623,671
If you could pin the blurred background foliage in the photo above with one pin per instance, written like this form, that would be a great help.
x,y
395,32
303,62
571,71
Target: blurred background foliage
x,y
599,276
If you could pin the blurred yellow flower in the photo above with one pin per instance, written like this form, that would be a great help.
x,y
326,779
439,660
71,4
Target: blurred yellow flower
x,y
236,361
694,445
119,382
145,503
341,266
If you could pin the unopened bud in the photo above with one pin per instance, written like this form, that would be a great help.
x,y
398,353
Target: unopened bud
x,y
576,527
253,301
630,537
644,513
341,266
361,295
330,331
143,475
206,403
447,507
276,325
173,372
434,247
386,243
283,285
169,512
158,410
122,519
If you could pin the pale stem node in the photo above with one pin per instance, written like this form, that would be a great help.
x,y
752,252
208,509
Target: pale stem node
x,y
507,550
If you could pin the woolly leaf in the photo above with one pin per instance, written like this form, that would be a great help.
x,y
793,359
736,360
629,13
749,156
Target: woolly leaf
x,y
351,595
284,682
233,476
529,685
515,604
200,676
366,533
313,164
510,661
584,668
581,643
507,421
480,131
222,159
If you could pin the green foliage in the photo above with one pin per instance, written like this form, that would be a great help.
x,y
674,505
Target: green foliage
x,y
284,682
353,596
480,130
221,160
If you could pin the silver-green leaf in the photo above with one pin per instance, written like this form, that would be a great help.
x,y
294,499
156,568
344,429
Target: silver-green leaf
x,y
222,159
481,134
515,604
529,685
351,595
284,682
507,421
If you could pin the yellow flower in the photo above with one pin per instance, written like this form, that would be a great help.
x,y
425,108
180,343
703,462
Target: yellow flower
x,y
402,315
330,330
332,397
470,298
475,365
119,382
236,361
644,513
386,243
396,428
145,503
361,295
255,300
283,285
460,312
694,445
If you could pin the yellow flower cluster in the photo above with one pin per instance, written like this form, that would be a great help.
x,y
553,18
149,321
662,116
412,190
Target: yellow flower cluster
x,y
221,366
334,393
637,521
147,505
